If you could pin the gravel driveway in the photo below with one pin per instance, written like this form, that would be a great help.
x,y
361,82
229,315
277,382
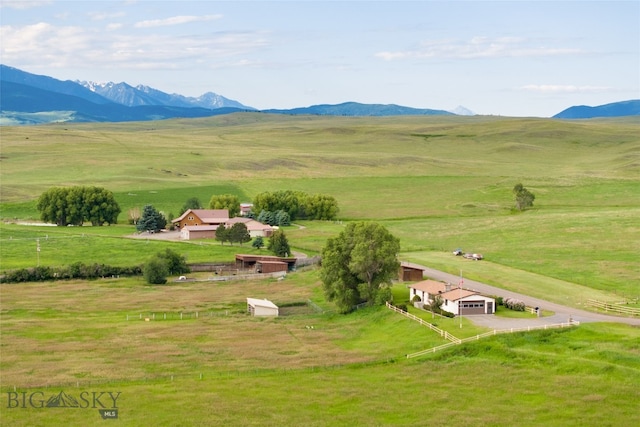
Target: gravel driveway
x,y
562,313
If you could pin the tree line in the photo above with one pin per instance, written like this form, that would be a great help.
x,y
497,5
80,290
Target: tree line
x,y
76,205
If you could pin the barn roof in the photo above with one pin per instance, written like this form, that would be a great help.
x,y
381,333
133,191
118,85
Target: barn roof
x,y
209,216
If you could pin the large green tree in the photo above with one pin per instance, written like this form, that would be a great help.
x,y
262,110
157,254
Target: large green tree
x,y
77,205
226,201
359,264
524,198
239,233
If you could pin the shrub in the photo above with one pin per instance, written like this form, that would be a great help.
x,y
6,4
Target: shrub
x,y
156,270
514,304
402,307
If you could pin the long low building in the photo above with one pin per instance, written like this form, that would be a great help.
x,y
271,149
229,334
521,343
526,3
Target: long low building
x,y
244,261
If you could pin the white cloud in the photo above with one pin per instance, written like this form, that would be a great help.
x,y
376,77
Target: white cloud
x,y
175,20
101,16
477,47
23,4
564,88
77,47
114,26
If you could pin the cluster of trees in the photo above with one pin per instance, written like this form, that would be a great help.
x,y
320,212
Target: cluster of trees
x,y
237,233
76,205
76,270
163,264
298,204
280,218
226,201
359,264
524,197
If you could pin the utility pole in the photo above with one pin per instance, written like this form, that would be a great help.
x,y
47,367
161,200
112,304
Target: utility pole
x,y
460,299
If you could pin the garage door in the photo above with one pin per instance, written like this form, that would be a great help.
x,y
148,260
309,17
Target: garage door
x,y
472,307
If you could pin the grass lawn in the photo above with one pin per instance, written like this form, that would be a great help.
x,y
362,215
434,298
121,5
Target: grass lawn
x,y
75,337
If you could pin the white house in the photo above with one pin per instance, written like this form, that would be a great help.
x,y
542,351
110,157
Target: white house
x,y
455,300
261,307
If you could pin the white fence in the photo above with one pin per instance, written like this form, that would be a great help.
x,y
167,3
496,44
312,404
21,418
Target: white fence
x,y
457,341
616,308
442,333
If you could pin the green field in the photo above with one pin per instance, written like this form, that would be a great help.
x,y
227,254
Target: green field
x,y
437,183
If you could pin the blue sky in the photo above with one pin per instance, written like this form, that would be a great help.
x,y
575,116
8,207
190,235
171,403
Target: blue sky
x,y
511,58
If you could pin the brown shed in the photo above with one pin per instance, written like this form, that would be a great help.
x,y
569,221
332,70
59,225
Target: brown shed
x,y
271,266
410,273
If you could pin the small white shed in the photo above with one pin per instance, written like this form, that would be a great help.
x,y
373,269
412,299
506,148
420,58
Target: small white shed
x,y
261,307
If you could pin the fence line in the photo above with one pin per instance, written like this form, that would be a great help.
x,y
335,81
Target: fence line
x,y
616,308
456,341
175,315
495,332
434,328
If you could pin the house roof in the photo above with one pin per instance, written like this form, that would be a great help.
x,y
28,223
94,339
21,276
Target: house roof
x,y
457,294
411,266
261,303
252,224
430,286
209,216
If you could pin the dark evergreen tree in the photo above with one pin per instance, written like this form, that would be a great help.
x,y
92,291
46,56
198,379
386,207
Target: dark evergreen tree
x,y
258,242
151,220
278,244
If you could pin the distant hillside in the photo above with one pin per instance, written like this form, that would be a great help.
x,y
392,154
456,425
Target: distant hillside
x,y
14,75
616,109
24,94
357,109
26,99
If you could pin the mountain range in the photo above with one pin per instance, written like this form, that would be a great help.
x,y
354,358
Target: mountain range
x,y
27,98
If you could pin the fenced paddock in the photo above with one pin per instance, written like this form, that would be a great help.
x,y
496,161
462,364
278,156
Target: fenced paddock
x,y
287,309
456,341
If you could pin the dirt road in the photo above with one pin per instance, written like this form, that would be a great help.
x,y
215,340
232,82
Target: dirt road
x,y
562,313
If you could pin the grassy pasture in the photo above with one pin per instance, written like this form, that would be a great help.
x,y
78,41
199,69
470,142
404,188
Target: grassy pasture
x,y
347,370
436,183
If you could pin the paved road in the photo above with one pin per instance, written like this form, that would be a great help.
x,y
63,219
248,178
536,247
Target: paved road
x,y
562,313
